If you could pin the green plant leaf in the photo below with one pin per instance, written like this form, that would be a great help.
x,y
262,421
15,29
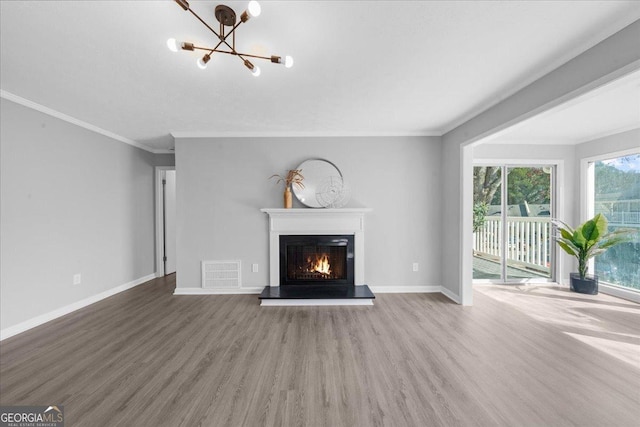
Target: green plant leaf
x,y
569,243
593,229
565,233
559,223
578,237
567,248
612,240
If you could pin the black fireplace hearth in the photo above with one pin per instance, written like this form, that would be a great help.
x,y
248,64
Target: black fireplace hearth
x,y
315,292
316,260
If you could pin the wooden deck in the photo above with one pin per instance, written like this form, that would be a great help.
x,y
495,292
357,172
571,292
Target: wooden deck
x,y
521,356
484,268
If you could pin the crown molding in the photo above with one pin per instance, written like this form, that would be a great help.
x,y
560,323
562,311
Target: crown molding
x,y
562,141
69,119
284,134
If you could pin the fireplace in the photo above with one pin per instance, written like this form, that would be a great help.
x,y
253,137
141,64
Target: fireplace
x,y
316,260
317,255
345,222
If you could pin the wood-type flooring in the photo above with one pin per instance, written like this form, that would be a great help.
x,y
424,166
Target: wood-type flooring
x,y
520,356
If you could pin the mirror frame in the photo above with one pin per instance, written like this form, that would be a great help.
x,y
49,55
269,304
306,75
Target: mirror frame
x,y
302,193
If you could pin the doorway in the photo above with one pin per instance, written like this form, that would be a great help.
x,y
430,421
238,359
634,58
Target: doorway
x,y
165,220
512,230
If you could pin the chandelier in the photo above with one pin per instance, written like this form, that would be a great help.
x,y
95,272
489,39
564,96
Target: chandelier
x,y
226,18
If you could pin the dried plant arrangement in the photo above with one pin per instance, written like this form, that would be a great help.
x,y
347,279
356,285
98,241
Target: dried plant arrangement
x,y
294,177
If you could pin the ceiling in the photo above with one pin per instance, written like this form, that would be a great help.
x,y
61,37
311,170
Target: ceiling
x,y
361,67
605,111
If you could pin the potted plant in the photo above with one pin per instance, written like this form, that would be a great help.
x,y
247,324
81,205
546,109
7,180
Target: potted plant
x,y
585,242
294,177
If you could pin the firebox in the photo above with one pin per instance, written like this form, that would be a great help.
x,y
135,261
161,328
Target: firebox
x,y
316,260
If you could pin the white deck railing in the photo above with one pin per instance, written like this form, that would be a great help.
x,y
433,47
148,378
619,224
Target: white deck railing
x,y
623,218
620,212
528,241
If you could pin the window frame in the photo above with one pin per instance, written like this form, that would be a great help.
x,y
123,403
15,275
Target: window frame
x,y
587,210
557,196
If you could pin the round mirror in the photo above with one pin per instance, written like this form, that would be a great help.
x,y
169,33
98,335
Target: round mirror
x,y
316,172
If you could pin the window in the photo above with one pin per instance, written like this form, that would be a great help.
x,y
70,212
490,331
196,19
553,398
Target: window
x,y
512,211
615,193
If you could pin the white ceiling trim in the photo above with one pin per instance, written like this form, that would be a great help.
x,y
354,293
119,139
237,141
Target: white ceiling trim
x,y
65,117
563,141
608,133
532,141
293,134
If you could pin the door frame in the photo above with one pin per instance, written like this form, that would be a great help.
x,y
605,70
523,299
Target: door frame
x,y
558,208
159,220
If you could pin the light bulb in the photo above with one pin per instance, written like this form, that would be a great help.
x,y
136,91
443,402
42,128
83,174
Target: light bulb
x,y
172,44
255,71
288,61
201,64
254,8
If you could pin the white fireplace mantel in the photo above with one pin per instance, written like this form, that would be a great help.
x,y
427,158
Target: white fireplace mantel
x,y
315,221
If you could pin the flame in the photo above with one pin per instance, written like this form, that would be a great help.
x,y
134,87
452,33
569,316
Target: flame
x,y
321,265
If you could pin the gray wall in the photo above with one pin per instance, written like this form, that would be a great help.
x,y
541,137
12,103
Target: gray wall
x,y
619,142
451,214
222,184
73,201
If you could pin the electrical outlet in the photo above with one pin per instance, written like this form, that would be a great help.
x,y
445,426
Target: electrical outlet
x,y
254,268
77,279
415,266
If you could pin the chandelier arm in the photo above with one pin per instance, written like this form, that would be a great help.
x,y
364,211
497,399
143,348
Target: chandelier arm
x,y
241,55
215,48
232,49
208,49
232,31
204,23
227,52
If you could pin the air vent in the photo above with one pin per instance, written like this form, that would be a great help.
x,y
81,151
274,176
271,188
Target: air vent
x,y
221,274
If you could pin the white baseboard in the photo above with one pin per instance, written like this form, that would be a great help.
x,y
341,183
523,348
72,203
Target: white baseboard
x,y
449,294
416,289
404,289
375,289
203,291
47,317
619,292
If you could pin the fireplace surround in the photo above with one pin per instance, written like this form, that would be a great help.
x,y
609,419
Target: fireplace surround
x,y
324,242
316,222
